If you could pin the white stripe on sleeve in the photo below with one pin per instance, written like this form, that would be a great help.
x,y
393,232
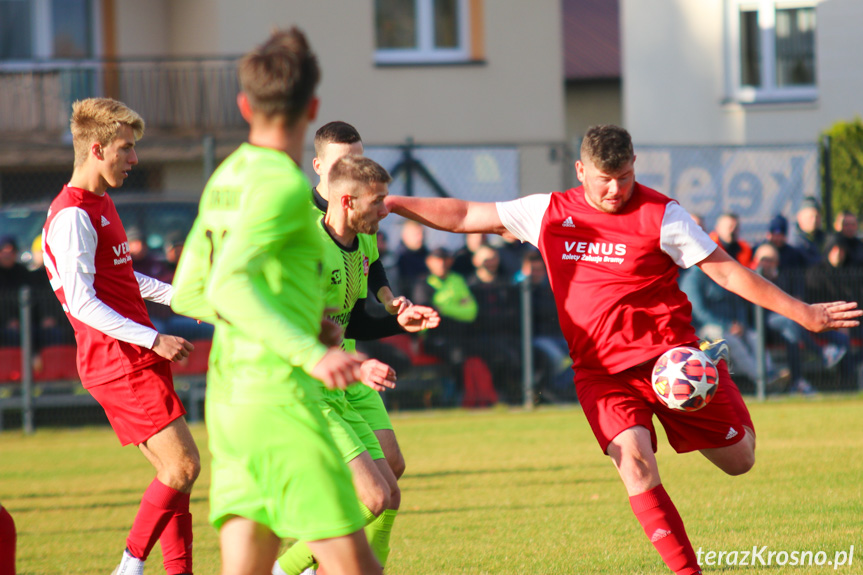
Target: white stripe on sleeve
x,y
523,217
682,239
73,240
155,290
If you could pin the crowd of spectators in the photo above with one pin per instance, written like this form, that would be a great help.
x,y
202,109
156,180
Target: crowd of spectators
x,y
476,290
806,260
49,323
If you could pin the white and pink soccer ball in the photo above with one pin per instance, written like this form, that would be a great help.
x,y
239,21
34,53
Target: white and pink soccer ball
x,y
685,379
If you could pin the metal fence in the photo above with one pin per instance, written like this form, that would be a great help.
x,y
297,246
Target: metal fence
x,y
511,353
171,93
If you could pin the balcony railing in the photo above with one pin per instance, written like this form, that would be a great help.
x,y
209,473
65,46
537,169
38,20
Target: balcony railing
x,y
193,94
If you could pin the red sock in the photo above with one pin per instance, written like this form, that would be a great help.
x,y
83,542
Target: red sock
x,y
8,536
158,506
664,527
176,541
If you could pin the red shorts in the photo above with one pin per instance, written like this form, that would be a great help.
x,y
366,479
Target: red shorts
x,y
140,404
615,403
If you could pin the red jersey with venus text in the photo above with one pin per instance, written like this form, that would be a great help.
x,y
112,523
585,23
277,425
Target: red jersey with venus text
x,y
101,357
614,276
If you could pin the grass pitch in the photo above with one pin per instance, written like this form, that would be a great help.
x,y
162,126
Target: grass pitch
x,y
493,492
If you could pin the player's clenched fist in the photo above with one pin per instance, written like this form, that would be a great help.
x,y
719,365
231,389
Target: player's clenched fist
x,y
378,375
172,347
414,318
338,369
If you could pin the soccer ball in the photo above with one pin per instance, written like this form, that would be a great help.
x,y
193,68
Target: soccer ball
x,y
685,379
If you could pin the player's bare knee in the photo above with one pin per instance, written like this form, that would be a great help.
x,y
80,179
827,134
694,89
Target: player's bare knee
x,y
395,498
377,500
185,471
741,464
397,464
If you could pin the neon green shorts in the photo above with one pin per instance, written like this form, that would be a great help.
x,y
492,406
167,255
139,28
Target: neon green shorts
x,y
350,431
368,403
278,465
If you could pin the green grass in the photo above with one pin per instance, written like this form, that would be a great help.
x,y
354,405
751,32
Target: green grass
x,y
497,492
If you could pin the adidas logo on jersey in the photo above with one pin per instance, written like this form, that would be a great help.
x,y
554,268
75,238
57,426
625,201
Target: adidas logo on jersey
x,y
731,433
105,222
567,223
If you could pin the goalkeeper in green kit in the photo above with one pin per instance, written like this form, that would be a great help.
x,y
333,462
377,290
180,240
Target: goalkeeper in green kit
x,y
252,266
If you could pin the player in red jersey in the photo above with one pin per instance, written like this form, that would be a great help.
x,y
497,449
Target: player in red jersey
x,y
612,248
8,537
122,360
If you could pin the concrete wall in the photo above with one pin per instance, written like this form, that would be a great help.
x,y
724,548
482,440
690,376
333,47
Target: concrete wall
x,y
590,103
514,95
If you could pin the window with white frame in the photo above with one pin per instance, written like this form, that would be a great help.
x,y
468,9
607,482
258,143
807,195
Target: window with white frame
x,y
772,50
46,29
422,31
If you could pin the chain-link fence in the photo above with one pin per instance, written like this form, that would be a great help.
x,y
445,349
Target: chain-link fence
x,y
509,350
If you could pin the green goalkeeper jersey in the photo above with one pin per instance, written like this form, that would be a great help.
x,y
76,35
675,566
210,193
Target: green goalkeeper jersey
x,y
252,265
346,275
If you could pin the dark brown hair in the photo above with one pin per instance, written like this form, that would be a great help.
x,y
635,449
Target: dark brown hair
x,y
609,147
336,132
279,77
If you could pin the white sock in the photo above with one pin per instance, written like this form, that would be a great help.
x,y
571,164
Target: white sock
x,y
130,565
277,569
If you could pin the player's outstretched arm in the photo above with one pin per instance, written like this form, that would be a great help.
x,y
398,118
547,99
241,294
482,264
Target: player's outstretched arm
x,y
819,317
378,375
448,214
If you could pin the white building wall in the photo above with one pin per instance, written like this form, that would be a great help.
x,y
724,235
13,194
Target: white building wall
x,y
675,79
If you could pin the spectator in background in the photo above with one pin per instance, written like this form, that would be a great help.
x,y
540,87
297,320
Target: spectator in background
x,y
553,376
496,331
450,295
777,236
163,317
388,258
719,314
796,339
727,235
52,326
463,257
846,225
143,260
808,234
13,276
487,268
411,256
836,276
511,252
172,248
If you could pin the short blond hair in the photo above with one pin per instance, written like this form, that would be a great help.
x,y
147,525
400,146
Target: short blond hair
x,y
99,120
